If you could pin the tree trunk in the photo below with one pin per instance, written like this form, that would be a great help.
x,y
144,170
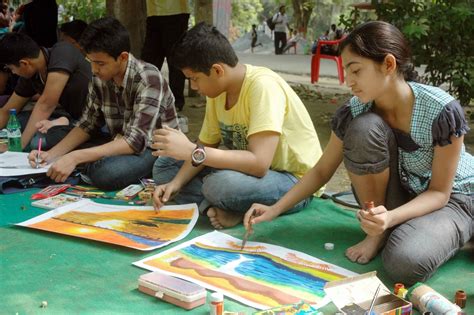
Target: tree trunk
x,y
203,11
302,12
132,14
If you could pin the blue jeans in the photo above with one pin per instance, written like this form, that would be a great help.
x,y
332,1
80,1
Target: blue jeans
x,y
226,189
117,172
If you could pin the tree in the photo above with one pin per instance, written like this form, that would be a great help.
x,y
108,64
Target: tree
x,y
88,10
445,46
244,14
135,23
302,10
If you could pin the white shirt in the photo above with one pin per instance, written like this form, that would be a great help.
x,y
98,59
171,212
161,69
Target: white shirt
x,y
281,21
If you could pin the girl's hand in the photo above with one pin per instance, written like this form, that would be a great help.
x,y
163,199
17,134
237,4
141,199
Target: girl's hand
x,y
258,213
374,221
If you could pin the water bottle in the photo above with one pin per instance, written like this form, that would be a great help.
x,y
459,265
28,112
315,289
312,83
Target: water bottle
x,y
14,132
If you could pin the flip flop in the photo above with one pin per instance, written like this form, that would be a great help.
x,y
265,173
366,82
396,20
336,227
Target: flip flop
x,y
345,198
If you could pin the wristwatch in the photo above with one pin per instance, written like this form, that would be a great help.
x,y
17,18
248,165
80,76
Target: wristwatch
x,y
198,155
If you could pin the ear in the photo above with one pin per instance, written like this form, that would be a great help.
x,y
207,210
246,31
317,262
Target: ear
x,y
389,65
123,56
218,69
24,62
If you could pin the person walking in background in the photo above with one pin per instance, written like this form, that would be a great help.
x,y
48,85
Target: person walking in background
x,y
292,42
281,24
254,44
167,20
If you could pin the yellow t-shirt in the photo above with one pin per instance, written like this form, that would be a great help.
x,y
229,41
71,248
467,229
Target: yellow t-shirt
x,y
166,7
266,103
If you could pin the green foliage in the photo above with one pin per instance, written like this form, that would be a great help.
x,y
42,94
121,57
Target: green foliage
x,y
444,45
245,13
87,10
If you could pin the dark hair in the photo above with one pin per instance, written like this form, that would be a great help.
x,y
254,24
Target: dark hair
x,y
201,47
106,35
375,39
73,29
17,46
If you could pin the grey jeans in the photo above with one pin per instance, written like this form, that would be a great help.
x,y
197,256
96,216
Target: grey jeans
x,y
415,249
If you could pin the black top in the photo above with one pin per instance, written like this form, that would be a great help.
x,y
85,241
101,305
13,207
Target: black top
x,y
62,57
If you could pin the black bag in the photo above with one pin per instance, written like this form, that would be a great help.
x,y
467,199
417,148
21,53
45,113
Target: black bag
x,y
270,23
14,184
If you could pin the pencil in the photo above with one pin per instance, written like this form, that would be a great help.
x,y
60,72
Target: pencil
x,y
39,152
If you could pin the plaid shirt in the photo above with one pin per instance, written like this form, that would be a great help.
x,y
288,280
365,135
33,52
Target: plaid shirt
x,y
434,112
143,103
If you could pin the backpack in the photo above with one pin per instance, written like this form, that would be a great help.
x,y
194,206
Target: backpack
x,y
270,23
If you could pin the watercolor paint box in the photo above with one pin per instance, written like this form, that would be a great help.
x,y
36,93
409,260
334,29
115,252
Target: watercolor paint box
x,y
172,290
300,308
354,295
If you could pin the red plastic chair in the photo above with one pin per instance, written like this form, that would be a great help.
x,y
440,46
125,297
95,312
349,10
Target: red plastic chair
x,y
316,60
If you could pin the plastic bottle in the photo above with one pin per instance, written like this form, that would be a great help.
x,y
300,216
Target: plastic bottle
x,y
217,303
14,132
425,299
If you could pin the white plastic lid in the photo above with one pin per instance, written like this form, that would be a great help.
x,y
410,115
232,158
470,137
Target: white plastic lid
x,y
217,297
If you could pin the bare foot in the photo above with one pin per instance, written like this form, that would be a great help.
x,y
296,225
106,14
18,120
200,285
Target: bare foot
x,y
223,219
364,251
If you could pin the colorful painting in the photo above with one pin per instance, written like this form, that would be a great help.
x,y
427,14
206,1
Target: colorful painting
x,y
261,275
137,227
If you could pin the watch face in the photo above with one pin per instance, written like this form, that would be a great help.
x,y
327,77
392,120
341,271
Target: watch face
x,y
199,155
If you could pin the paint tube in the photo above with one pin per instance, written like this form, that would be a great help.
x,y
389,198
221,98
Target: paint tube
x,y
425,299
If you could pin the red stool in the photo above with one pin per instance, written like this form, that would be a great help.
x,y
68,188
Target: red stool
x,y
316,60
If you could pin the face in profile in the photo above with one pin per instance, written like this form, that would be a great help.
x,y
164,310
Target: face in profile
x,y
104,66
207,85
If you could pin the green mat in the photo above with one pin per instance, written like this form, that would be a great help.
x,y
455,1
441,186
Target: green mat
x,y
77,276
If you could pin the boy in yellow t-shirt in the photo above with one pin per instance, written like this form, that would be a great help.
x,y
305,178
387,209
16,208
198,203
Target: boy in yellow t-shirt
x,y
267,133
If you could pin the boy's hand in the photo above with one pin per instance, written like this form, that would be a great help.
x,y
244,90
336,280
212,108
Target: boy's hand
x,y
172,143
62,168
44,158
44,125
261,213
163,194
374,221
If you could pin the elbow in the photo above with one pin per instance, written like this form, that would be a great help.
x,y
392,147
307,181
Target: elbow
x,y
260,170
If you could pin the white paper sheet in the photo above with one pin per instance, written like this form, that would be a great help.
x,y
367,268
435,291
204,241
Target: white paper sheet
x,y
16,164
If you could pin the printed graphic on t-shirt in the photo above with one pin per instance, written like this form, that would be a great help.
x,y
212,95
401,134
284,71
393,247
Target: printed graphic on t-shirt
x,y
234,136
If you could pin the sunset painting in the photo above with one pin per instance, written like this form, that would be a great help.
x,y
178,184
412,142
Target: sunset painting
x,y
136,227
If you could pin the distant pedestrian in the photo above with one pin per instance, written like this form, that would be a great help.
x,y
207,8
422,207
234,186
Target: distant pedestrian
x,y
254,38
281,24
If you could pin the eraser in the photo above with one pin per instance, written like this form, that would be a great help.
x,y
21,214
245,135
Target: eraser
x,y
328,246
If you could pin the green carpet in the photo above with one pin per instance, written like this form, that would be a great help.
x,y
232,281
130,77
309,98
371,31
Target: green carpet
x,y
77,276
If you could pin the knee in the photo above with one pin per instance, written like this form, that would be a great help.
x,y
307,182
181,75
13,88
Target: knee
x,y
218,186
373,128
164,169
403,265
369,153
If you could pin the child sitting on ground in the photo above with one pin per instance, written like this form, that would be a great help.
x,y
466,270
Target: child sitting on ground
x,y
254,113
402,144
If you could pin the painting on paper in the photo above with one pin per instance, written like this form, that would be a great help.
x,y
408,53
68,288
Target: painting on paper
x,y
137,227
261,276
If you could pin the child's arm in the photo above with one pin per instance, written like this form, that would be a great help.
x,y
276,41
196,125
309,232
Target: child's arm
x,y
312,181
445,162
46,104
15,101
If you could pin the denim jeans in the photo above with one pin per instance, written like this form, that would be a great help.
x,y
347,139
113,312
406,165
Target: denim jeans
x,y
416,248
227,189
117,172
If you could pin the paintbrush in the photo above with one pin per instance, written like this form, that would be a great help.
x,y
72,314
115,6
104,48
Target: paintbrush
x,y
247,233
369,312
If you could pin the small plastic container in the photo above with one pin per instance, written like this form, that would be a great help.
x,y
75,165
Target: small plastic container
x,y
172,290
